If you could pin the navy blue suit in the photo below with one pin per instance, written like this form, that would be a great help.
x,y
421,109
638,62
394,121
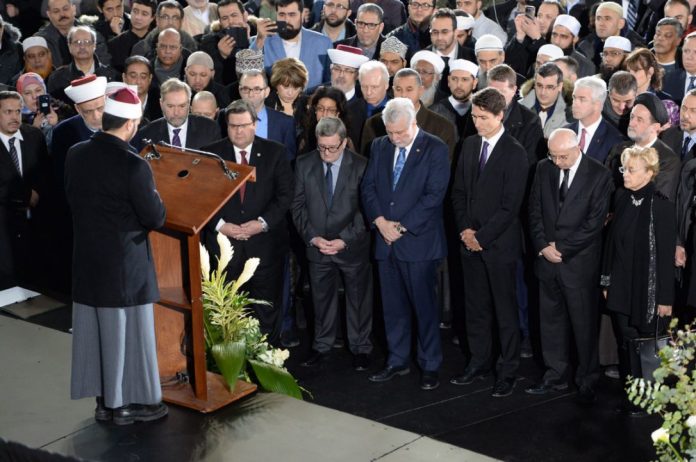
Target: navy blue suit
x,y
605,138
407,267
674,83
281,128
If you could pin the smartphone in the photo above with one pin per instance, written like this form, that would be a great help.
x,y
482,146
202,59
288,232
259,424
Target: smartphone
x,y
530,11
281,26
45,104
239,34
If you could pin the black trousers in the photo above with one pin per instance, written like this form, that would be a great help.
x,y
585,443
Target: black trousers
x,y
629,364
564,309
490,297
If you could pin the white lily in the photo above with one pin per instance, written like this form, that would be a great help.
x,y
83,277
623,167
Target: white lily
x,y
205,262
691,421
249,270
226,252
661,435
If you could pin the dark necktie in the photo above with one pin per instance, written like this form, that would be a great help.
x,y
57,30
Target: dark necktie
x,y
484,156
685,147
176,141
242,188
399,166
14,155
583,133
329,184
692,85
632,14
563,191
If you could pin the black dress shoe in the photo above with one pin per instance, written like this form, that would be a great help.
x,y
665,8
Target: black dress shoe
x,y
361,362
314,359
586,396
126,415
545,387
503,387
102,413
629,409
389,373
289,339
469,376
429,380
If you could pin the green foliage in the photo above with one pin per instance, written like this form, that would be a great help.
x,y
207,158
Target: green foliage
x,y
672,395
229,357
274,378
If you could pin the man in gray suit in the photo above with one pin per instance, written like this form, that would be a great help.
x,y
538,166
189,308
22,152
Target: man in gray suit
x,y
326,212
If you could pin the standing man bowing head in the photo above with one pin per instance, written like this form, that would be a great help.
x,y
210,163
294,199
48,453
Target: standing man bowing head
x,y
488,190
403,189
114,206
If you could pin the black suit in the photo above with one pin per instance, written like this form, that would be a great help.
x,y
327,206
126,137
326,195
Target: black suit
x,y
674,138
268,198
357,114
667,178
15,193
490,204
568,290
605,137
341,219
525,126
353,42
200,131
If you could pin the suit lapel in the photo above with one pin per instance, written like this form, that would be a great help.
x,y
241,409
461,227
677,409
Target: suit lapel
x,y
579,180
317,173
413,157
597,139
554,184
346,163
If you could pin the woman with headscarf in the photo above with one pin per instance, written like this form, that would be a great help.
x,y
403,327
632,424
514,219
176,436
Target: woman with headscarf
x,y
31,86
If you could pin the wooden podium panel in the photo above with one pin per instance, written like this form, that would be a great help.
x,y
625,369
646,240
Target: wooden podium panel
x,y
193,187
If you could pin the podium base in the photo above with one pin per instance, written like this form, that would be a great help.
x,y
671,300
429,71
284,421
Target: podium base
x,y
219,394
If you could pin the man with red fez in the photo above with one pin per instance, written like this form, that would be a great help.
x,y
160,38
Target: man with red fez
x,y
345,62
114,354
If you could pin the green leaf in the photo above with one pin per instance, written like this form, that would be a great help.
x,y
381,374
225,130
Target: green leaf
x,y
273,378
229,357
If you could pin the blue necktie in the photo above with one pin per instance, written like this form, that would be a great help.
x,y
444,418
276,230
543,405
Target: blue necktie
x,y
484,156
632,14
329,184
692,85
685,147
399,166
176,141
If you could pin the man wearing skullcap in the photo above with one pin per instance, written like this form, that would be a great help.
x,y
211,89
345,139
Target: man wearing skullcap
x,y
530,34
648,116
465,29
490,53
345,62
430,66
457,107
37,57
369,24
200,74
114,286
565,35
614,52
10,51
609,21
393,55
547,53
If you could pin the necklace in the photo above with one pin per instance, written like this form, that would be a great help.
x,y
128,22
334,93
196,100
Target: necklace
x,y
636,202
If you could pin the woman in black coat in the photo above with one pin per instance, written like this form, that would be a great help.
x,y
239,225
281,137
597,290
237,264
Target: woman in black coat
x,y
638,265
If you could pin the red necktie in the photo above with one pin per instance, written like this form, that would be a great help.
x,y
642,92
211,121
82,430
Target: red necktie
x,y
242,188
582,140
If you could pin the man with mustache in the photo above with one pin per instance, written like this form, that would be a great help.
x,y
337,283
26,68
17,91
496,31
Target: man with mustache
x,y
614,52
345,62
37,58
293,40
336,24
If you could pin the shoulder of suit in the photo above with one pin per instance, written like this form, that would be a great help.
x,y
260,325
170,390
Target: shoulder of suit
x,y
202,122
313,35
30,131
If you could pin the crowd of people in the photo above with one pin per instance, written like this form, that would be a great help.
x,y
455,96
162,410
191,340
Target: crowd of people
x,y
517,179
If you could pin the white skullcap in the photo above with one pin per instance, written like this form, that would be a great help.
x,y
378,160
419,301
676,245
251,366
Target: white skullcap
x,y
432,58
569,22
124,103
465,22
616,41
463,65
34,42
86,88
346,55
488,42
552,51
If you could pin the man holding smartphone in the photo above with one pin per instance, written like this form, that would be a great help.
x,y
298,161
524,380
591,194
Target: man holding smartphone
x,y
222,45
287,38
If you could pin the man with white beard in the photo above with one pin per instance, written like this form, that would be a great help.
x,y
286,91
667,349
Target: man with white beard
x,y
430,66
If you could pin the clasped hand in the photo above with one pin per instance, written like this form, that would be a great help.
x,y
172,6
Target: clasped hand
x,y
468,237
390,230
242,232
329,247
552,254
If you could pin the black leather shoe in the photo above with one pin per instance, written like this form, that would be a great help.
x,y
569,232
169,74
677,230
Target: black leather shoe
x,y
126,415
629,409
503,387
314,359
545,387
288,339
361,362
389,373
429,380
469,376
586,396
102,413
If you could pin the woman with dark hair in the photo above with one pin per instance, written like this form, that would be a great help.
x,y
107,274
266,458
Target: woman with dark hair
x,y
325,102
638,265
643,65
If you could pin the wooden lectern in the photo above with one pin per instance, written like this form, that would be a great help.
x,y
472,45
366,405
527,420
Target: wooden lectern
x,y
193,186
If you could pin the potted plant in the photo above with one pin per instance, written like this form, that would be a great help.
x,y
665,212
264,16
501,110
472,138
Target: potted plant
x,y
232,335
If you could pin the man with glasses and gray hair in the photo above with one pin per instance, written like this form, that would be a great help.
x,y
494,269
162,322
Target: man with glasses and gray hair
x,y
369,25
327,214
402,194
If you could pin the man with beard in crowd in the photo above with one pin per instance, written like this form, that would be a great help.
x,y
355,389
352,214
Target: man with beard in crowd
x,y
112,18
430,67
199,73
609,22
565,35
457,107
369,26
293,41
220,45
142,14
393,55
37,58
415,32
622,88
482,24
490,53
345,62
681,81
169,14
615,50
335,23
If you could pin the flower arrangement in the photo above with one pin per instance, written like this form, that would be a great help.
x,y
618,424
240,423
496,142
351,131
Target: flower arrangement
x,y
672,395
232,335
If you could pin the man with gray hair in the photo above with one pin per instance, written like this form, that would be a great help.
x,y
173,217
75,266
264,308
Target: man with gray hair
x,y
402,194
668,36
596,136
327,214
374,83
82,42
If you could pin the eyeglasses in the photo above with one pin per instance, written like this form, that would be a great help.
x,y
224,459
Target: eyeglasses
x,y
331,149
255,90
343,70
425,72
629,170
166,17
335,6
553,158
367,25
239,126
162,46
421,6
82,43
612,54
326,110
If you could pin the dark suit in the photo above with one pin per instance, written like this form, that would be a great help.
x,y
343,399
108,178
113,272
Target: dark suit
x,y
674,138
568,290
15,192
269,198
667,178
490,204
356,111
60,79
407,267
342,219
605,137
462,53
200,131
113,264
353,42
525,126
281,128
675,83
